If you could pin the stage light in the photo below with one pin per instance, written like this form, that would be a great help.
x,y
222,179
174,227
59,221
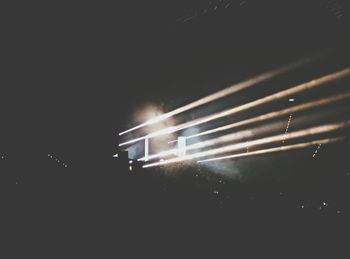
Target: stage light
x,y
282,94
268,140
247,133
275,149
297,89
275,114
152,135
227,91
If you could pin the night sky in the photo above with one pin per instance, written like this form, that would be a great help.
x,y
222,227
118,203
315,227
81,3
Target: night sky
x,y
74,75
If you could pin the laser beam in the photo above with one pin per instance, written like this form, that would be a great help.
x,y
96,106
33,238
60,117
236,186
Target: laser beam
x,y
276,149
268,140
297,89
247,133
227,91
275,114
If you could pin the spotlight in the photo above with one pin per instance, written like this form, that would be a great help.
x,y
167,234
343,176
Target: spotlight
x,y
297,89
276,149
268,140
275,114
227,91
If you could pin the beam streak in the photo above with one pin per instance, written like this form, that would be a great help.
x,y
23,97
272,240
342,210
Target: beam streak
x,y
227,91
296,89
276,149
268,140
275,114
247,133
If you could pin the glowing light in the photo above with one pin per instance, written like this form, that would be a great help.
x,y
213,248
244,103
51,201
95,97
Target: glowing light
x,y
276,149
299,88
291,99
268,140
146,149
161,154
227,91
152,135
247,133
181,146
274,114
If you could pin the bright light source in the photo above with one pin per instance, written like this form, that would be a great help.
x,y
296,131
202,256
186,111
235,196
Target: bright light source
x,y
227,91
291,99
275,114
181,146
130,168
152,135
268,140
130,161
248,133
299,88
276,149
116,155
237,136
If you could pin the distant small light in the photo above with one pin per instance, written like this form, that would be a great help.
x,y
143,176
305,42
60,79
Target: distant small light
x,y
130,161
215,192
291,99
130,168
116,155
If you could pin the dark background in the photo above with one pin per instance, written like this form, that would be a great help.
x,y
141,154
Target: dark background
x,y
74,74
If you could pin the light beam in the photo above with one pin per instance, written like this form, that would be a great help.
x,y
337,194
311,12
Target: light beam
x,y
227,91
248,133
268,140
276,149
297,89
275,114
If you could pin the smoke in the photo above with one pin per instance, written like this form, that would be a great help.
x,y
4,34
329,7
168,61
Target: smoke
x,y
226,169
155,145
